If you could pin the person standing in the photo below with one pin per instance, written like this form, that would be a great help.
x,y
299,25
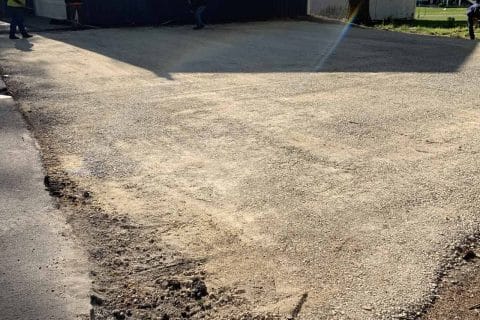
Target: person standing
x,y
17,13
198,8
473,15
73,11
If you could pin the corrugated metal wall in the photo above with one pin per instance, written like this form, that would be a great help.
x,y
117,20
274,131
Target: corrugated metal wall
x,y
140,12
3,8
50,8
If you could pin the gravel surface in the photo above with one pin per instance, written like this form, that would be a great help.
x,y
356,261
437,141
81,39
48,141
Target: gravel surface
x,y
293,174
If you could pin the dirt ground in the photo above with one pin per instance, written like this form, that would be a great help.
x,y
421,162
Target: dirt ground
x,y
259,171
458,293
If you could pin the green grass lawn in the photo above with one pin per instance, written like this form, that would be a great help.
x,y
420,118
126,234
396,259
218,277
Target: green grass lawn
x,y
432,21
441,14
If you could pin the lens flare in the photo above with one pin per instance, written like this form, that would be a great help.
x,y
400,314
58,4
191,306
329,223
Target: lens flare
x,y
333,45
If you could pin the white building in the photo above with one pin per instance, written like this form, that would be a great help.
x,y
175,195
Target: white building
x,y
50,8
379,9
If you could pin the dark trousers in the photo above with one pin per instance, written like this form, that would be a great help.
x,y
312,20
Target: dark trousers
x,y
199,16
471,27
17,15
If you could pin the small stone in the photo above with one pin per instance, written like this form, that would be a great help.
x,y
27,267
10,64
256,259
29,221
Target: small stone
x,y
118,262
96,300
118,314
165,317
402,315
367,308
170,284
199,288
469,255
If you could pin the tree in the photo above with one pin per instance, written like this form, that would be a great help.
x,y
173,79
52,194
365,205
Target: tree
x,y
360,11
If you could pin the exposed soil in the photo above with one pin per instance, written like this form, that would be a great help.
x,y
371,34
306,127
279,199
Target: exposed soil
x,y
137,276
458,295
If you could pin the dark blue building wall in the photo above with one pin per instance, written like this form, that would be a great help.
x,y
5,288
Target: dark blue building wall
x,y
141,12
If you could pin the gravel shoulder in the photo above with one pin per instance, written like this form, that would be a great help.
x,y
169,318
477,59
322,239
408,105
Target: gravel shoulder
x,y
293,174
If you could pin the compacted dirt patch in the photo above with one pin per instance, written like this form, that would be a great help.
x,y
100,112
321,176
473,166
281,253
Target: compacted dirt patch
x,y
136,275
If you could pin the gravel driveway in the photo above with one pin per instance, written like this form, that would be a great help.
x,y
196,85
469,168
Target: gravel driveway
x,y
294,170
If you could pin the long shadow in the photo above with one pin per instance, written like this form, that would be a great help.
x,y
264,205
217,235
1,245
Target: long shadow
x,y
294,46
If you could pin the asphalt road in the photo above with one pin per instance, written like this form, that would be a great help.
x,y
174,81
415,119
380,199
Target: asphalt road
x,y
292,160
43,272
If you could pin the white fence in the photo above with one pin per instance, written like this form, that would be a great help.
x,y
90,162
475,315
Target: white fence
x,y
392,9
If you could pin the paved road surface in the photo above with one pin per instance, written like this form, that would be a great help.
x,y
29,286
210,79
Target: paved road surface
x,y
43,273
291,159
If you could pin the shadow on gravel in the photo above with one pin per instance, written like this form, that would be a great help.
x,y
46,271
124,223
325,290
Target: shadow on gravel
x,y
23,45
272,47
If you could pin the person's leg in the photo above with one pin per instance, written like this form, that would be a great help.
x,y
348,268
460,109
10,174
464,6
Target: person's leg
x,y
199,18
471,27
21,23
13,21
